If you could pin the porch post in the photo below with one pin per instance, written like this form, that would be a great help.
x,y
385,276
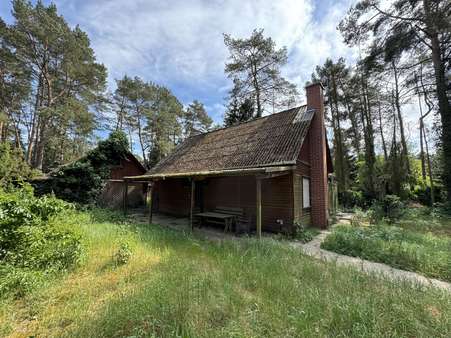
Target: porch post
x,y
259,207
150,192
125,197
193,183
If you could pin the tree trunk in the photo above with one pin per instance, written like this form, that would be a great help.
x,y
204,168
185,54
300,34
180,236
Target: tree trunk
x,y
257,91
443,102
381,130
404,151
431,180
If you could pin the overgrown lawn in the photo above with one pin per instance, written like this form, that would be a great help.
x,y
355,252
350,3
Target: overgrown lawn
x,y
174,284
419,242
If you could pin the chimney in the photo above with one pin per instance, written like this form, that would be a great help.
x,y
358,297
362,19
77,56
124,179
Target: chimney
x,y
318,157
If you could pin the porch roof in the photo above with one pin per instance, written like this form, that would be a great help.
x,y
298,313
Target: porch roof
x,y
226,172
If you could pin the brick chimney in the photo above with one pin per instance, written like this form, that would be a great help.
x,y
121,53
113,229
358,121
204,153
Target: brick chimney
x,y
318,162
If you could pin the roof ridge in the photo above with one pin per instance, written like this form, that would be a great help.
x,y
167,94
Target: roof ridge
x,y
249,121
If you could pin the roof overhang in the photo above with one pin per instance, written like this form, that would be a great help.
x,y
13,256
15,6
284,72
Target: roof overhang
x,y
224,172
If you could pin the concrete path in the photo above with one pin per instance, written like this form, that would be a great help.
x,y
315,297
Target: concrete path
x,y
313,249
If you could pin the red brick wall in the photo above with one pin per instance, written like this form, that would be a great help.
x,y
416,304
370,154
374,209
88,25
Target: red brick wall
x,y
318,155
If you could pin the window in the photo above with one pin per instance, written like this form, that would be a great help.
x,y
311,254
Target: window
x,y
305,192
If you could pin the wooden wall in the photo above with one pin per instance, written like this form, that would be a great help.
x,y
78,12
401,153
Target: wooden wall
x,y
302,170
128,167
172,196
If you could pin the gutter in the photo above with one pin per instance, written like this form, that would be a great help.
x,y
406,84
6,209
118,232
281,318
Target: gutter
x,y
225,172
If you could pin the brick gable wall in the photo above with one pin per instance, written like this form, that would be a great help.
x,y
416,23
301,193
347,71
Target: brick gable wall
x,y
318,157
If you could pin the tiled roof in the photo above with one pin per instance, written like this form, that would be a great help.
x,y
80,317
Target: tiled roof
x,y
268,141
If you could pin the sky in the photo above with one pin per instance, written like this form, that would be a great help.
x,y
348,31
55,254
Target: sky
x,y
179,43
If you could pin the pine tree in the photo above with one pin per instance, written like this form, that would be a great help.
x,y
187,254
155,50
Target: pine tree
x,y
254,65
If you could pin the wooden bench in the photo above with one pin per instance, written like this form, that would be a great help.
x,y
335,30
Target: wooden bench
x,y
228,216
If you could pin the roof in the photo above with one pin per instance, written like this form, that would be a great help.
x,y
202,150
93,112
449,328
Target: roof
x,y
273,140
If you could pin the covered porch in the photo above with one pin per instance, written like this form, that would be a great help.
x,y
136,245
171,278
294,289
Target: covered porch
x,y
264,196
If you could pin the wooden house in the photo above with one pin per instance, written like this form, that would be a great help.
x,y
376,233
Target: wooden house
x,y
274,168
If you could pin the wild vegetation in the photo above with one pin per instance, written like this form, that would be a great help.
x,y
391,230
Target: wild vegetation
x,y
90,272
82,181
34,245
167,283
416,240
404,55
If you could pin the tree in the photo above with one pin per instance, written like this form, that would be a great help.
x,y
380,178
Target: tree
x,y
239,110
419,25
333,75
254,65
152,115
164,125
133,98
196,119
14,90
65,78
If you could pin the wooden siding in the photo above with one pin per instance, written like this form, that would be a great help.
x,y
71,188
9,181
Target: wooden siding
x,y
172,196
302,170
113,193
128,167
277,204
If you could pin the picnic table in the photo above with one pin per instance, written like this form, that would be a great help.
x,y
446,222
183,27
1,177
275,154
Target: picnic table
x,y
217,217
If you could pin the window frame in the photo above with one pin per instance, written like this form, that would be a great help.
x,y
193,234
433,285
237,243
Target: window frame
x,y
309,193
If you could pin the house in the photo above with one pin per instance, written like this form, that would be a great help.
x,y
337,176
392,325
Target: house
x,y
274,168
112,194
74,182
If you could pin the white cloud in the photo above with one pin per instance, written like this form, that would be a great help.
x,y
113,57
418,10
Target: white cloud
x,y
180,43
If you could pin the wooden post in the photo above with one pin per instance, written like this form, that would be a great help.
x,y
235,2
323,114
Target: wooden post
x,y
125,196
193,184
150,192
259,207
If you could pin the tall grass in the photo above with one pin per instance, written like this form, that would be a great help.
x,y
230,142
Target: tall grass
x,y
177,285
426,253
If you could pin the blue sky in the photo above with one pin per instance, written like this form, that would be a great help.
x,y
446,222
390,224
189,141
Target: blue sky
x,y
179,43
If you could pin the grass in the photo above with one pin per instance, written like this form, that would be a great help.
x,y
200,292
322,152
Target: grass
x,y
176,285
419,242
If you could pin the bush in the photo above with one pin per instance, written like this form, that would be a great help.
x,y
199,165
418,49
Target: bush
x,y
390,208
350,199
32,242
123,254
422,193
303,233
82,181
18,281
19,208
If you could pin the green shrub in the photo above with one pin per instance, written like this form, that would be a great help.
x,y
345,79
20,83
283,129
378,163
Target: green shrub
x,y
303,233
389,208
32,239
18,281
350,199
82,181
123,254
